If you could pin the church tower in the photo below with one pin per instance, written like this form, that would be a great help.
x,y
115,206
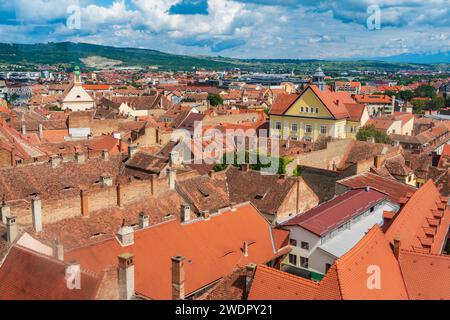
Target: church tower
x,y
77,76
319,79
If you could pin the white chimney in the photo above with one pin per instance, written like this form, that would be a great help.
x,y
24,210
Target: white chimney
x,y
245,249
55,161
5,211
185,213
126,276
58,250
105,155
80,158
172,178
11,229
36,211
126,235
132,149
106,180
143,220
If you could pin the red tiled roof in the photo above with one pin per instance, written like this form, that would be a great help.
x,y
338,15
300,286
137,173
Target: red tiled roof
x,y
355,111
425,274
213,248
272,284
348,278
96,87
282,103
426,209
27,275
373,98
329,215
393,188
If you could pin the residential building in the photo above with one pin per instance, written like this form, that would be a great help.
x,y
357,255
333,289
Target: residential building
x,y
376,104
323,234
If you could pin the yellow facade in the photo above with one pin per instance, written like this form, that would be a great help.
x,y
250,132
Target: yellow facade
x,y
306,120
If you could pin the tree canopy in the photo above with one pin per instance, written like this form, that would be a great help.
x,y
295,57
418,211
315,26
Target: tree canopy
x,y
371,132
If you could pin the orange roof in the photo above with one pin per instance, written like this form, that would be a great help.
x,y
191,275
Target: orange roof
x,y
348,277
422,225
96,87
425,274
333,101
355,111
108,143
27,275
272,284
373,98
282,103
54,136
212,248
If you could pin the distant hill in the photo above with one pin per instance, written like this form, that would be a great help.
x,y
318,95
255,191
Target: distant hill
x,y
91,56
426,58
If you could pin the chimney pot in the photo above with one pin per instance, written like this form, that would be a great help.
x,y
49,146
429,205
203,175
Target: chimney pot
x,y
126,276
250,271
11,229
106,180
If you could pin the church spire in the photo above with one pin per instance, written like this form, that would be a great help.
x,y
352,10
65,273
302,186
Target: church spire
x,y
77,76
319,79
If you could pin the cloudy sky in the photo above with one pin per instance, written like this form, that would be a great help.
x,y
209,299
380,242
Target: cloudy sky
x,y
236,28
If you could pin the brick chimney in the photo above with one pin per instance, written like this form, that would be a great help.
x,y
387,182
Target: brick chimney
x,y
40,131
143,220
185,213
58,250
13,157
397,245
245,167
250,271
172,178
36,211
84,198
11,229
125,235
5,211
126,276
119,192
178,278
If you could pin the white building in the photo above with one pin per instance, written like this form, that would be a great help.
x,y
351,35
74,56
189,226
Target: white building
x,y
323,234
75,97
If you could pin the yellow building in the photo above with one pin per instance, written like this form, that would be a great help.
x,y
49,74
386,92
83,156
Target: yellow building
x,y
315,113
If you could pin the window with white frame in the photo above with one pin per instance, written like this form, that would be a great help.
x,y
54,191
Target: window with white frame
x,y
278,125
292,259
308,128
304,262
294,128
323,130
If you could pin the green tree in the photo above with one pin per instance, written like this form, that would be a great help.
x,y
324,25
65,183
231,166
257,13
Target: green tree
x,y
436,103
371,132
425,90
215,99
406,95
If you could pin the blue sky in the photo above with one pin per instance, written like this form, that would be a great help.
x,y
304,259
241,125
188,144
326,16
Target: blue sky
x,y
235,28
